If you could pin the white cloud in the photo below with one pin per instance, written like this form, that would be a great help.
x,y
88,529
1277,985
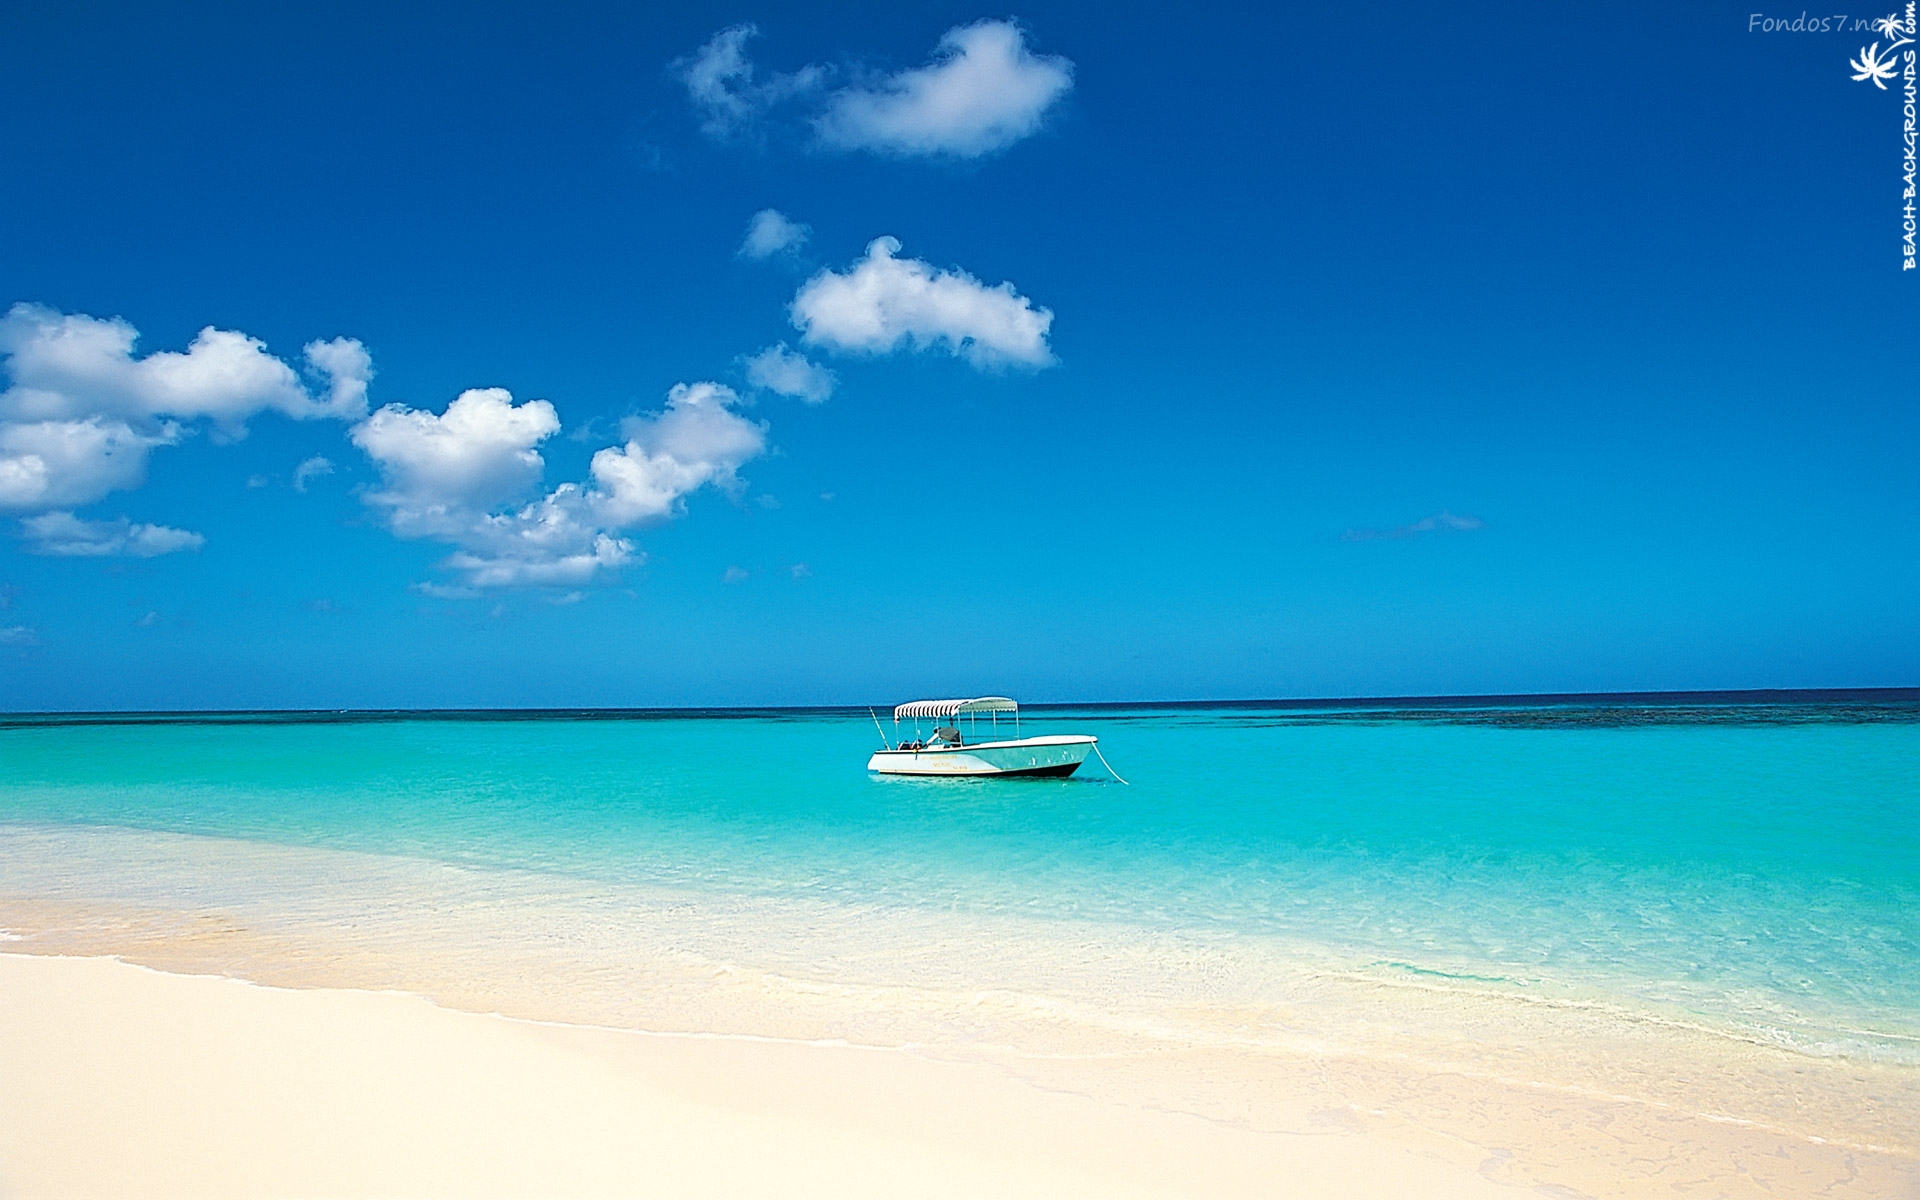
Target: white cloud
x,y
18,635
1440,522
442,591
1444,521
697,440
736,575
348,367
457,477
719,81
83,410
769,232
73,366
532,556
311,468
983,91
884,301
441,468
447,473
66,536
779,369
44,464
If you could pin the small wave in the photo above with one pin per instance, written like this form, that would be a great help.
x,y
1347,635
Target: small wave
x,y
1810,1038
1418,970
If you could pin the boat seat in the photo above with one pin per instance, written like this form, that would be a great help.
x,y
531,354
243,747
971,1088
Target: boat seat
x,y
950,736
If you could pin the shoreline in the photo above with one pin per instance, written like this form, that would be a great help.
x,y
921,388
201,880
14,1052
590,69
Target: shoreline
x,y
1567,1094
1507,1128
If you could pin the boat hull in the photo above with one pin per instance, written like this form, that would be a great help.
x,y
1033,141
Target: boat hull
x,y
1039,756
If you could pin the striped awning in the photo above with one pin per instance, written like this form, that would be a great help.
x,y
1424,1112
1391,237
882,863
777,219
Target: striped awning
x,y
953,708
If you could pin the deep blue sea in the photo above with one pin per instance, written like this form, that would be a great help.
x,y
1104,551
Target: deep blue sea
x,y
1752,861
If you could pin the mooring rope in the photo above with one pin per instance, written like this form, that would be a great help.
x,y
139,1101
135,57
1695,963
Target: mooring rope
x,y
1106,764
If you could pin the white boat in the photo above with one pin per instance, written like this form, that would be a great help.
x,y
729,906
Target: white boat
x,y
952,752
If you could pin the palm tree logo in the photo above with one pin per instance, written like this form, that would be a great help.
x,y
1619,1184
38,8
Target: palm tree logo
x,y
1871,66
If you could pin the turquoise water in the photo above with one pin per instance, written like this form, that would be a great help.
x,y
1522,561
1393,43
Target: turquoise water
x,y
1752,865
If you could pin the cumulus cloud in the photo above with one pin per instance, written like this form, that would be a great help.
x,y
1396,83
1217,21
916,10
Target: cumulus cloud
x,y
697,440
347,367
1440,522
778,369
69,366
983,91
461,477
83,409
49,463
439,468
884,301
769,232
445,474
64,535
535,550
719,78
311,468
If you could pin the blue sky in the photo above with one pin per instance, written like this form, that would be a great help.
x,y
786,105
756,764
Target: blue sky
x,y
1217,353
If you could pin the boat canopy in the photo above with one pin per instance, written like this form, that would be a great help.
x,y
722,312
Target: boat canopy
x,y
954,708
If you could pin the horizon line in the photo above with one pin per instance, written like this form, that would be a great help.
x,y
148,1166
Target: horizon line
x,y
1704,696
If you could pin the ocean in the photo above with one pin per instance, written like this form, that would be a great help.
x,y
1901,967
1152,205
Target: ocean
x,y
1541,881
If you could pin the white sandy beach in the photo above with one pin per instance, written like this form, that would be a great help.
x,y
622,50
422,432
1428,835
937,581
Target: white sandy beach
x,y
303,1022
124,1081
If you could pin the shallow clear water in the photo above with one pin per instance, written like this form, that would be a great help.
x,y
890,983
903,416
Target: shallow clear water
x,y
1755,867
